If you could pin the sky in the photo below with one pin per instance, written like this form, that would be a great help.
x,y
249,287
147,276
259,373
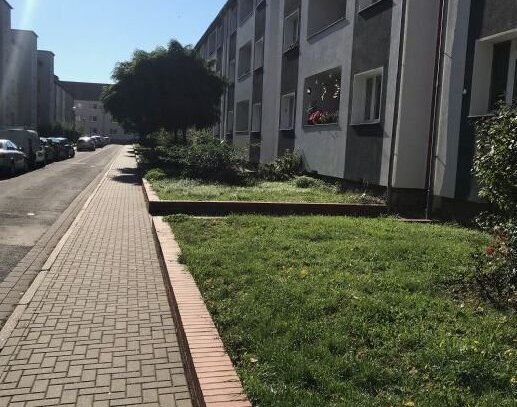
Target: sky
x,y
89,37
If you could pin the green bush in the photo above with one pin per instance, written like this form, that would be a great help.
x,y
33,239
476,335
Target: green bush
x,y
495,163
495,168
155,174
283,168
308,182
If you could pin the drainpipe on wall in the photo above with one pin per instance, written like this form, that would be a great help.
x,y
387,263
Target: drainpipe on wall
x,y
389,189
435,109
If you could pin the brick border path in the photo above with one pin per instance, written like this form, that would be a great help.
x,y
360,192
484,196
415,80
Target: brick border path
x,y
98,330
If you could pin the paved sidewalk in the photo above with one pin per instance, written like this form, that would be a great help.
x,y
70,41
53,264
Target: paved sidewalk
x,y
98,331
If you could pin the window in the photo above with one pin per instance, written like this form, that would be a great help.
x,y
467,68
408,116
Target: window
x,y
94,105
366,104
231,71
291,30
245,60
323,14
322,98
287,111
229,122
245,9
495,75
256,118
259,53
242,119
93,118
232,21
212,42
220,35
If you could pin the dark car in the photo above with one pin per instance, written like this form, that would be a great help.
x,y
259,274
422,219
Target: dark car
x,y
12,159
65,148
85,144
50,150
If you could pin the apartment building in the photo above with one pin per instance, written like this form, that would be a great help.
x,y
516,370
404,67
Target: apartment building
x,y
90,116
5,46
64,105
23,78
46,89
383,92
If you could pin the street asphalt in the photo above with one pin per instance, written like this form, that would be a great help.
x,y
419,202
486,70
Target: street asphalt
x,y
32,202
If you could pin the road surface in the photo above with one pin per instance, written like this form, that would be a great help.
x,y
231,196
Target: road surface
x,y
32,202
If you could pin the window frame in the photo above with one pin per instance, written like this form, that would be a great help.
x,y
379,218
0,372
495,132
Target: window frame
x,y
362,95
255,66
292,117
243,75
256,125
237,129
296,43
243,18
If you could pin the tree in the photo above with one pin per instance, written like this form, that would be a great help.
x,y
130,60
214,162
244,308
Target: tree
x,y
171,88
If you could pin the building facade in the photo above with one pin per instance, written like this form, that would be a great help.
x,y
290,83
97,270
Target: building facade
x,y
64,110
379,92
46,89
5,46
90,116
24,79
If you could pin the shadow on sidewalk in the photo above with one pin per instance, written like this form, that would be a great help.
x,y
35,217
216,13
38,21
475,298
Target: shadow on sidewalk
x,y
128,176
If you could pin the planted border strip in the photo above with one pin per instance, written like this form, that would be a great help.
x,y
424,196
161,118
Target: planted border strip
x,y
212,376
158,207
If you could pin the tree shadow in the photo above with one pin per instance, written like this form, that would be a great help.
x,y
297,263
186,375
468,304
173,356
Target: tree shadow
x,y
128,176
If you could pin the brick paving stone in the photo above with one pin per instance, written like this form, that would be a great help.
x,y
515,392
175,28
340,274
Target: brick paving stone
x,y
99,330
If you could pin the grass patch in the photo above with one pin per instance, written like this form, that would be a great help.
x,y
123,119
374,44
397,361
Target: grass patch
x,y
318,311
288,191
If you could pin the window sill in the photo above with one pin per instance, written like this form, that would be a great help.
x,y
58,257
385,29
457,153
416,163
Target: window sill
x,y
480,116
242,132
371,7
362,124
244,76
328,27
323,125
259,68
288,129
292,48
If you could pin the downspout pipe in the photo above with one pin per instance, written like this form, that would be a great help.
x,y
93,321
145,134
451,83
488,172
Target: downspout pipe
x,y
435,109
389,189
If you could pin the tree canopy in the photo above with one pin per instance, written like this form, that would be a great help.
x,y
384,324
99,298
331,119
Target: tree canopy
x,y
171,88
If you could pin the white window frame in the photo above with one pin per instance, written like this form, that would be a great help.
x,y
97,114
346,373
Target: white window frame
x,y
258,57
288,123
229,122
288,45
256,118
360,96
247,129
243,74
232,65
482,73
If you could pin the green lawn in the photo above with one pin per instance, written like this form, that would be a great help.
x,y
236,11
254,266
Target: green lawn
x,y
184,189
321,311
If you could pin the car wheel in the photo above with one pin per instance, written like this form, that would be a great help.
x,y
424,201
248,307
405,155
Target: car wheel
x,y
12,170
25,166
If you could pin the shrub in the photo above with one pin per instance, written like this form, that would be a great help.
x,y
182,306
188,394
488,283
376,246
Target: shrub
x,y
495,168
283,168
308,182
495,164
496,268
155,174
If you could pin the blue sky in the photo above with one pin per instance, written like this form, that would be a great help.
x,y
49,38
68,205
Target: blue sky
x,y
90,36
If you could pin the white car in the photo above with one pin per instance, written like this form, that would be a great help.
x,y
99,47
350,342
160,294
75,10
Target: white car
x,y
12,159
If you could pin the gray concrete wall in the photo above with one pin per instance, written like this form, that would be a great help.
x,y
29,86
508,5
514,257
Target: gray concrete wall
x,y
323,148
46,89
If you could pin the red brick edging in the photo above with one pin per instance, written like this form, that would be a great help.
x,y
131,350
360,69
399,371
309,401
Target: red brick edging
x,y
157,207
212,377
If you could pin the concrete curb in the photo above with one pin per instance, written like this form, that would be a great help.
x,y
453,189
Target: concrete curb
x,y
157,207
12,321
212,378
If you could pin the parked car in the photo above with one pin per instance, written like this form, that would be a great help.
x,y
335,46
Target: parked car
x,y
50,150
99,142
12,159
85,144
107,140
65,147
30,144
